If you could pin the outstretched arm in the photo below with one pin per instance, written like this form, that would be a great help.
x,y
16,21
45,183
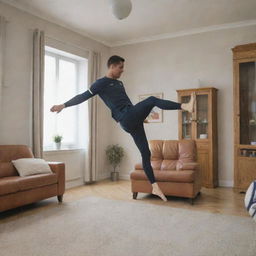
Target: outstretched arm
x,y
94,89
79,99
74,101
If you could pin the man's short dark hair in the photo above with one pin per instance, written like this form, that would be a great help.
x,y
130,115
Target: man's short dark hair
x,y
114,60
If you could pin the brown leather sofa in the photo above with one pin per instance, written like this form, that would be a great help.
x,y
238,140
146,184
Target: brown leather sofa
x,y
175,169
16,190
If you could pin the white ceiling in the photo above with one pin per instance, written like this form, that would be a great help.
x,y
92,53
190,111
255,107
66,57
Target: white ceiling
x,y
149,19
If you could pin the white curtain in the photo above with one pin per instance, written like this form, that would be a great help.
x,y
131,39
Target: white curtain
x,y
38,93
91,170
2,54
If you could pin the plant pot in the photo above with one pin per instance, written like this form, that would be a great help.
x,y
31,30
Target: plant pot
x,y
58,145
114,176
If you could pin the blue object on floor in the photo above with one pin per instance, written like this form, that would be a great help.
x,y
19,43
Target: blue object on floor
x,y
250,200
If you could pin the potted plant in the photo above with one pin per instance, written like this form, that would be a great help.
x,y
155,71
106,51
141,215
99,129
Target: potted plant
x,y
57,139
114,154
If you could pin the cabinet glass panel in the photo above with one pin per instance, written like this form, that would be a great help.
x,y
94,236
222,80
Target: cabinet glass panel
x,y
186,120
202,116
247,93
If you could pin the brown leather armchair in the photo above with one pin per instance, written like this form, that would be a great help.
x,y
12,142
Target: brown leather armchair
x,y
16,190
175,169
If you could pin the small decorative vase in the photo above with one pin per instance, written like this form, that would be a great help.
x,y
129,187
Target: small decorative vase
x,y
58,145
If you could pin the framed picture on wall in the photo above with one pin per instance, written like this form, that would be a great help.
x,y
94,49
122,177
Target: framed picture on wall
x,y
156,114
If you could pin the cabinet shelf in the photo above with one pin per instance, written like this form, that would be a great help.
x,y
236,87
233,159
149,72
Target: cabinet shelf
x,y
247,124
248,157
247,146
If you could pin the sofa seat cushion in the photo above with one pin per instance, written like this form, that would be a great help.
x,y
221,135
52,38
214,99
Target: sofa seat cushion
x,y
160,175
9,185
35,181
15,184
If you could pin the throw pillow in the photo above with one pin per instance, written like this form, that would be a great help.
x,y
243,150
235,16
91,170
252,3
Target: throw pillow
x,y
31,166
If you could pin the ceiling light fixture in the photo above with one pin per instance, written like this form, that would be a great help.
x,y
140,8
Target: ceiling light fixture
x,y
121,8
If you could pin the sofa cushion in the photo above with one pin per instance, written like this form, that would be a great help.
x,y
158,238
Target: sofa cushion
x,y
31,166
168,165
187,150
170,150
172,176
155,147
156,165
15,184
186,166
35,181
7,169
9,185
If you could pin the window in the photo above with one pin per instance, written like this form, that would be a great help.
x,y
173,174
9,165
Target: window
x,y
65,77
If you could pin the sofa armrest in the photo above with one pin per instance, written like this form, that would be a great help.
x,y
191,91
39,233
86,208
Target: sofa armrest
x,y
187,166
138,166
59,169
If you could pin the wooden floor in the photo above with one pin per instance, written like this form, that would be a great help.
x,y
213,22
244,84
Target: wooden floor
x,y
218,200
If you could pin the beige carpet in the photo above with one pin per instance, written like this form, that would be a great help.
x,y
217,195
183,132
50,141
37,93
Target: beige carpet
x,y
96,226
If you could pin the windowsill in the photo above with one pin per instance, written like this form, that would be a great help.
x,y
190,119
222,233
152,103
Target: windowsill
x,y
63,150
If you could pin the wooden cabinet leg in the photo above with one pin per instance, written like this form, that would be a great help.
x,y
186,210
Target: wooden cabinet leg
x,y
135,195
60,198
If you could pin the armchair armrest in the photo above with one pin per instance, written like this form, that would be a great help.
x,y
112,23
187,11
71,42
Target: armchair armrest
x,y
59,169
138,166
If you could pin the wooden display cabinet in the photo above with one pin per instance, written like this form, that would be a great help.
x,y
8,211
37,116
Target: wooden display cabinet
x,y
201,126
244,77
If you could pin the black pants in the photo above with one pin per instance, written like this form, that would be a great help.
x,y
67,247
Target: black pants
x,y
132,123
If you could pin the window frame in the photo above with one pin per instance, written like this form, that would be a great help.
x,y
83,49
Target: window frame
x,y
59,57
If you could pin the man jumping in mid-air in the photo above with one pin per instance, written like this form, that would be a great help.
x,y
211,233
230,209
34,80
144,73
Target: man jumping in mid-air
x,y
131,117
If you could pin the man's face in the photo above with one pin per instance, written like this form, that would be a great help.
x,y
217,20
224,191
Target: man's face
x,y
117,69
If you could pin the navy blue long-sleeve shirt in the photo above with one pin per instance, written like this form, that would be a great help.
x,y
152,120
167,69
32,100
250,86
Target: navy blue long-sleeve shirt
x,y
111,91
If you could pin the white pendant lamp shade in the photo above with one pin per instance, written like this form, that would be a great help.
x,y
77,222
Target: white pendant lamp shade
x,y
121,8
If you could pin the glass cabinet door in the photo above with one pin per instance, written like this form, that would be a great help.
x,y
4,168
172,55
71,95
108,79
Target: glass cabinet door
x,y
202,116
186,120
247,95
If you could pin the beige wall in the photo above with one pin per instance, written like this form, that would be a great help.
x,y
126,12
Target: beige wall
x,y
15,124
151,67
179,63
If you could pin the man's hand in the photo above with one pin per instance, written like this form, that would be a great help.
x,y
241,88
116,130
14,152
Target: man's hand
x,y
57,108
145,121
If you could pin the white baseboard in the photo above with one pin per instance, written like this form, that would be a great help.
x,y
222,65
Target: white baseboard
x,y
107,176
103,176
226,183
74,183
124,176
80,182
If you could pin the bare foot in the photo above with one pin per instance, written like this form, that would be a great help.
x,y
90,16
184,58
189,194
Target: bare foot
x,y
190,106
157,191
